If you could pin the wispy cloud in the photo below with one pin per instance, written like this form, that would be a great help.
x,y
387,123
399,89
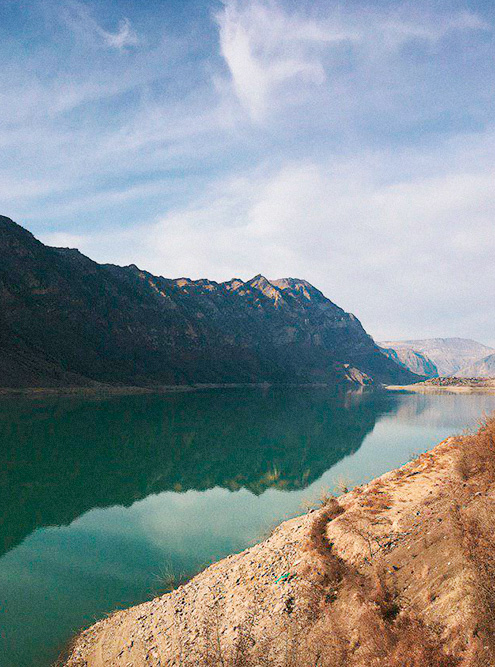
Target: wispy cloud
x,y
79,17
265,46
386,243
402,28
350,144
125,35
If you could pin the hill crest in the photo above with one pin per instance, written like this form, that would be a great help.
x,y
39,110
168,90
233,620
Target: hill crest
x,y
66,320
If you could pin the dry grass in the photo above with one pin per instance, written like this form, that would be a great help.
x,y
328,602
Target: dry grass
x,y
404,642
477,459
478,542
377,498
473,512
317,540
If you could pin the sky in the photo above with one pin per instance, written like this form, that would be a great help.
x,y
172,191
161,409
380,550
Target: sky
x,y
351,144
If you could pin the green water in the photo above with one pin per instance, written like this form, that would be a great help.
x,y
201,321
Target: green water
x,y
105,502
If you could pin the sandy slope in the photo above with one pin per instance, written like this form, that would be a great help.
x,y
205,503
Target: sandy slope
x,y
400,524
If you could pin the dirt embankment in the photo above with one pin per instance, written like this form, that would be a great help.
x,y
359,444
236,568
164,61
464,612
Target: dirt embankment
x,y
400,572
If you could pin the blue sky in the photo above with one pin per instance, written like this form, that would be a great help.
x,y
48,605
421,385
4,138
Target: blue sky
x,y
351,144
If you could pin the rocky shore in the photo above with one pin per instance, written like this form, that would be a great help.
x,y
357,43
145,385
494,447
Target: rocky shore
x,y
383,575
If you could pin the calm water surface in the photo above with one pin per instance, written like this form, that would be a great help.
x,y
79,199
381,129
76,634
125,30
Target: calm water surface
x,y
105,502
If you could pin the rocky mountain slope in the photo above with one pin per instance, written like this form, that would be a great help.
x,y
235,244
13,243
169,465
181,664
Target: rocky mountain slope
x,y
484,368
412,360
398,572
449,355
66,320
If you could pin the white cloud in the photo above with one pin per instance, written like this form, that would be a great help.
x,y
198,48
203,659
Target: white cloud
x,y
270,51
265,48
78,16
392,248
125,36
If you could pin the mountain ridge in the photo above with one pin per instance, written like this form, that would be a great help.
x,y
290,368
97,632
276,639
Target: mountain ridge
x,y
483,368
448,355
413,360
69,321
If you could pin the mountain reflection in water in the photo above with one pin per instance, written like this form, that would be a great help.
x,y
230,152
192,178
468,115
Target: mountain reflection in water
x,y
103,501
62,457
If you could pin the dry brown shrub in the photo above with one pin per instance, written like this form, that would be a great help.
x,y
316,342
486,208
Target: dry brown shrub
x,y
244,651
323,645
478,542
384,596
357,523
388,636
409,643
477,457
317,540
343,484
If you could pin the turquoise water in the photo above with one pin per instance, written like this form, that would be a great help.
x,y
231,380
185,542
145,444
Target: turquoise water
x,y
107,502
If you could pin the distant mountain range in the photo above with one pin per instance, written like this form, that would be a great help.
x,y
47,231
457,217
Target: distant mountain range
x,y
68,321
441,356
480,369
411,359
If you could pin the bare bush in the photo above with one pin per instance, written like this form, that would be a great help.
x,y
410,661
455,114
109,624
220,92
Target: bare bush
x,y
478,542
477,458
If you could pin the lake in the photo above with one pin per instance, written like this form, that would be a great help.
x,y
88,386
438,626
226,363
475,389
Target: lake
x,y
106,502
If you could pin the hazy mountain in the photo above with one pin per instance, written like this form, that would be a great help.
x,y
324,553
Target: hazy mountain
x,y
414,361
449,355
66,320
483,368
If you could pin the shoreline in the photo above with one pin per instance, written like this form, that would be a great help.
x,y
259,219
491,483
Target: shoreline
x,y
110,390
399,524
436,389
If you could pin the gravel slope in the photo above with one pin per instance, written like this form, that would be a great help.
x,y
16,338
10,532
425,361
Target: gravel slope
x,y
268,599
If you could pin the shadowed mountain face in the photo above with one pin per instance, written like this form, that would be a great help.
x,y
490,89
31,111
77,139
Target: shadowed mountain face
x,y
65,321
449,355
62,457
412,360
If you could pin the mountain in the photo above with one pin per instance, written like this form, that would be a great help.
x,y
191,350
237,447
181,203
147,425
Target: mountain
x,y
66,320
449,355
484,368
414,361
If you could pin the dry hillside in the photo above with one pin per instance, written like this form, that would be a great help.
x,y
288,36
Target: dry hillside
x,y
400,572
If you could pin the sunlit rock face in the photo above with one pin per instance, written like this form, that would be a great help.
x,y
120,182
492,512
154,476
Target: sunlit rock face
x,y
66,320
415,361
448,356
481,369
